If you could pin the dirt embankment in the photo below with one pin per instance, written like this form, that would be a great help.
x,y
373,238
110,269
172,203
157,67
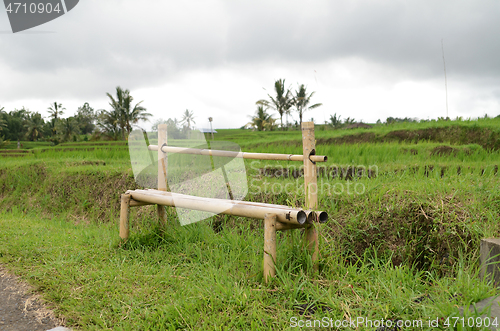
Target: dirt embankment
x,y
83,193
456,135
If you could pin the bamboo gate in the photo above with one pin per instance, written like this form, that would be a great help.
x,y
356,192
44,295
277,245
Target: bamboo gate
x,y
276,217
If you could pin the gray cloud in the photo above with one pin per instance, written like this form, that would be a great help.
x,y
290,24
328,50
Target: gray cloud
x,y
102,44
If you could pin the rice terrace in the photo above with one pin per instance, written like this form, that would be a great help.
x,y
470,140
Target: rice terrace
x,y
408,204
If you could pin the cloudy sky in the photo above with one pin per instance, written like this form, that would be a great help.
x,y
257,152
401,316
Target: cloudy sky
x,y
365,59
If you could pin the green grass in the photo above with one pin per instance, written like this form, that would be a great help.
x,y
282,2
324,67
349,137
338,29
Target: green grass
x,y
193,279
401,245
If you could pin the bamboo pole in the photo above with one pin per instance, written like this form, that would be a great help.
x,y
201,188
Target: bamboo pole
x,y
162,171
253,156
124,215
269,246
162,167
162,215
229,207
135,203
286,226
310,185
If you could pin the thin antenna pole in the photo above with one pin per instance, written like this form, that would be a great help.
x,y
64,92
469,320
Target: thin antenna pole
x,y
445,80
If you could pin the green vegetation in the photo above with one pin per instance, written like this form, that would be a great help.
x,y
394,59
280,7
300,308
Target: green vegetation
x,y
22,124
402,241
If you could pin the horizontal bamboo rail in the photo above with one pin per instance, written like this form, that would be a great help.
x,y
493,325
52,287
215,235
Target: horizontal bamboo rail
x,y
243,155
229,207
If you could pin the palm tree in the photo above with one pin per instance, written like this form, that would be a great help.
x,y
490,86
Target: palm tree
x,y
108,122
3,124
335,121
34,125
281,102
301,101
261,119
126,114
68,127
188,118
55,111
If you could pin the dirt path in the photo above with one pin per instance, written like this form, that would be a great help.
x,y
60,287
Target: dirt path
x,y
20,309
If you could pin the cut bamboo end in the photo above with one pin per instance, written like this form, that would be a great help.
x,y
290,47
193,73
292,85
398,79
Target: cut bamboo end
x,y
316,216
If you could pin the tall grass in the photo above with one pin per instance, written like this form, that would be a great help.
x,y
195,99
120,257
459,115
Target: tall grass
x,y
193,279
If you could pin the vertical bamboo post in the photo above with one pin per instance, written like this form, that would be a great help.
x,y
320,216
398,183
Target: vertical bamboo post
x,y
162,170
124,215
269,246
310,186
162,139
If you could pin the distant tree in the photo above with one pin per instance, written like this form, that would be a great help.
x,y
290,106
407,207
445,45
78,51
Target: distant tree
x,y
127,114
281,102
68,127
301,101
3,123
56,110
261,120
335,121
15,121
391,120
158,122
188,118
270,124
349,120
34,125
86,118
108,123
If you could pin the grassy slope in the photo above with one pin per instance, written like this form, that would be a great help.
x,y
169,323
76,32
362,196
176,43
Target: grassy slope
x,y
404,217
193,279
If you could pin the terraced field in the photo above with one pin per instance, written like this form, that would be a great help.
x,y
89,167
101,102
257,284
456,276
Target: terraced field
x,y
408,204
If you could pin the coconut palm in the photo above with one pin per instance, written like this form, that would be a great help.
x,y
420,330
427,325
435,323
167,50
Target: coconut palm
x,y
55,111
68,127
261,119
301,101
108,122
34,125
281,102
127,114
188,118
3,123
335,121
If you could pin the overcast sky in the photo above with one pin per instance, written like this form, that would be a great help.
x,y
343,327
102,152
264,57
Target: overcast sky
x,y
365,59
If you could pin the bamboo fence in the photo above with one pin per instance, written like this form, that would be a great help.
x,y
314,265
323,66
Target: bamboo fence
x,y
276,217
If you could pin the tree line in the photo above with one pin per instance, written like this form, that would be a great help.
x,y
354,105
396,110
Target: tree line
x,y
114,124
283,101
178,129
